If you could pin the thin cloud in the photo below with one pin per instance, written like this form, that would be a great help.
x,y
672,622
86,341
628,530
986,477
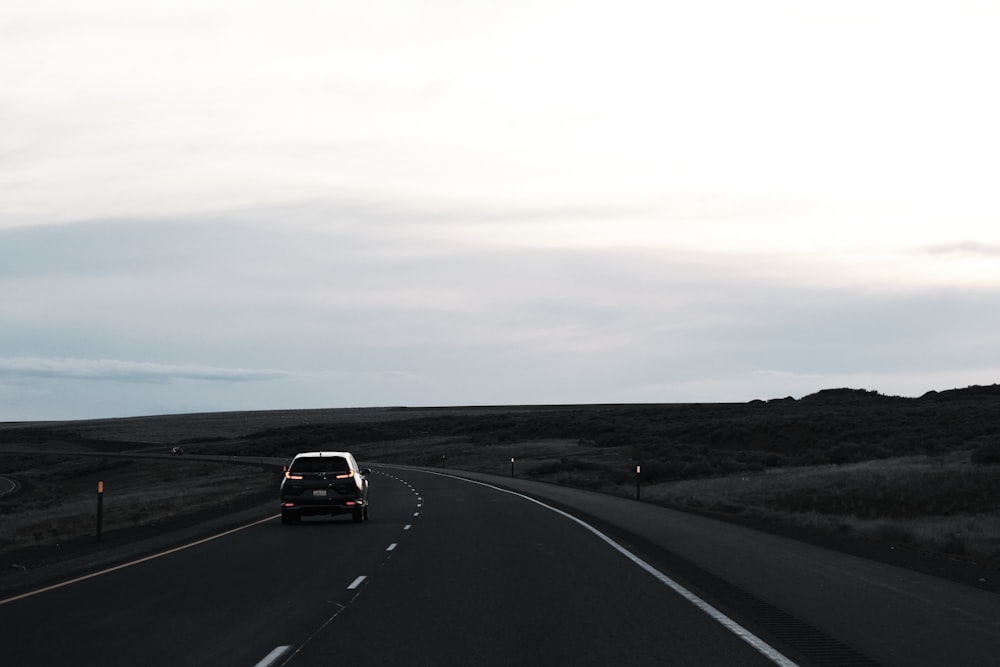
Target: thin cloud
x,y
966,248
127,371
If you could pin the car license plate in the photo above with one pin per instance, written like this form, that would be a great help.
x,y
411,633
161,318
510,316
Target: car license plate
x,y
319,492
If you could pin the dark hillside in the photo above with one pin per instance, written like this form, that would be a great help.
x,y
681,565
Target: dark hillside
x,y
676,441
829,426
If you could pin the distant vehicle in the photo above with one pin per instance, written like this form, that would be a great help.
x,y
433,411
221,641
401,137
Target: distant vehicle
x,y
176,451
324,483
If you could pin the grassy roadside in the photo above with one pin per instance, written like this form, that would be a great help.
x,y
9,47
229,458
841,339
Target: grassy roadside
x,y
58,499
940,505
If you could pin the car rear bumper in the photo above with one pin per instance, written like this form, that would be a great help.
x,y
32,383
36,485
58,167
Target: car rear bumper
x,y
311,506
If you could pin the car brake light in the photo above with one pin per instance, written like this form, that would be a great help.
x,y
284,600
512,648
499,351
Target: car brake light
x,y
289,475
346,475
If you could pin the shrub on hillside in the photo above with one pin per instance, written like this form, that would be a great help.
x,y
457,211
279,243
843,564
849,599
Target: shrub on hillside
x,y
846,452
564,464
987,453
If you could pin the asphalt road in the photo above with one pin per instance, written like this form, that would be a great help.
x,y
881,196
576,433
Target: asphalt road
x,y
446,572
816,605
451,572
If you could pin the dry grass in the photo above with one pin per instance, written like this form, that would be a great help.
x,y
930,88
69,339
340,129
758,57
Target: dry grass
x,y
459,453
940,504
59,499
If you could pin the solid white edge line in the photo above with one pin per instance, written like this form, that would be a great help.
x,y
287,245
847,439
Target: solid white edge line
x,y
753,640
356,582
273,656
135,562
392,547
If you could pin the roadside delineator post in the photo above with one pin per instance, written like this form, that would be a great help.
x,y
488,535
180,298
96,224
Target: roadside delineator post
x,y
100,508
638,471
512,466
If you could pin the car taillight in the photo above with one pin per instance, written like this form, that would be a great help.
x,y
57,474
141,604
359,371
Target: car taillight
x,y
346,475
288,505
289,475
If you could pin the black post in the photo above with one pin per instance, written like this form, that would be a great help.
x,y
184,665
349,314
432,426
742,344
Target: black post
x,y
638,470
512,466
100,508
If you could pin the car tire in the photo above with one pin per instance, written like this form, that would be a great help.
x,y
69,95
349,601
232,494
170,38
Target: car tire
x,y
289,518
358,516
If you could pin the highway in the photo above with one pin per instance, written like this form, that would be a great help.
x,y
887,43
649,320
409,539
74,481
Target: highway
x,y
446,572
460,572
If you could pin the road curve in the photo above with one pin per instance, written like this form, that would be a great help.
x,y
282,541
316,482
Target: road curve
x,y
862,611
7,486
451,573
446,573
491,578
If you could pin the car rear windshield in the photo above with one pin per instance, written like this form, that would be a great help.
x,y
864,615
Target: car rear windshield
x,y
320,464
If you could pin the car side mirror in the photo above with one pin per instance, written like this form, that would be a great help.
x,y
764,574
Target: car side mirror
x,y
366,471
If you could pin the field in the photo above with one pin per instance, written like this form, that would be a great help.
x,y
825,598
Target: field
x,y
57,501
920,474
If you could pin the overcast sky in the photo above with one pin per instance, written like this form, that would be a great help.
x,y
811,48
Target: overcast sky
x,y
257,205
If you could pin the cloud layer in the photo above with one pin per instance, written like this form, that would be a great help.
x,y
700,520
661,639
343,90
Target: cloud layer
x,y
367,310
381,203
111,370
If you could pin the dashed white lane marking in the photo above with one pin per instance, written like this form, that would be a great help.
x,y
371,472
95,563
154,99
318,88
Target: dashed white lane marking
x,y
281,650
273,656
753,640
